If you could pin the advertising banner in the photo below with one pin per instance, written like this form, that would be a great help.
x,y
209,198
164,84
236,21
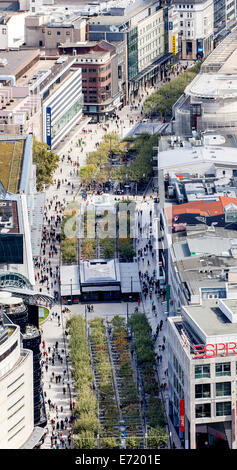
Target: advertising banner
x,y
182,416
48,126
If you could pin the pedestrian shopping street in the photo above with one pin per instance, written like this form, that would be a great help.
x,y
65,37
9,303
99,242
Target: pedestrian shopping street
x,y
57,374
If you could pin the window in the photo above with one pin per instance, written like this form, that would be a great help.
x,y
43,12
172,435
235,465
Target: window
x,y
58,33
20,376
49,33
222,368
13,414
43,30
181,23
223,408
67,33
22,419
223,389
13,391
92,79
203,410
202,391
202,371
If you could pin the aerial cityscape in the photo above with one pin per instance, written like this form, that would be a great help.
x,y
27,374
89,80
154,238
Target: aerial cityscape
x,y
118,224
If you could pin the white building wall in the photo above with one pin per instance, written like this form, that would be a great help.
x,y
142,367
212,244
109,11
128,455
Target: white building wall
x,y
16,29
16,395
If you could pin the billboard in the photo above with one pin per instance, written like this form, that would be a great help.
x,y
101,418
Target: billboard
x,y
48,126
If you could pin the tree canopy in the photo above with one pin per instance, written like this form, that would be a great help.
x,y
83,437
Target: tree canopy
x,y
46,163
162,101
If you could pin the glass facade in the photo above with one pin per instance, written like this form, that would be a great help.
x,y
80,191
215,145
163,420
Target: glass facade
x,y
219,15
67,117
132,39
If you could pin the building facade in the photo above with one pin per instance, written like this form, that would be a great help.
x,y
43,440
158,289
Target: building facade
x,y
62,107
202,374
48,32
16,389
196,28
99,67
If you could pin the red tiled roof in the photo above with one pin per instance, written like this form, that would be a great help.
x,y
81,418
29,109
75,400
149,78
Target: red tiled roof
x,y
201,207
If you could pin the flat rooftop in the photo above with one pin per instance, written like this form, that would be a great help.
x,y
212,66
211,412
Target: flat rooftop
x,y
209,319
220,85
27,78
99,271
17,60
176,158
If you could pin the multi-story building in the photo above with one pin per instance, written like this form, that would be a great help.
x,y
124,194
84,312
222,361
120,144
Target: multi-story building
x,y
202,366
48,31
42,96
174,44
196,28
16,389
99,67
17,312
141,26
195,224
209,101
12,29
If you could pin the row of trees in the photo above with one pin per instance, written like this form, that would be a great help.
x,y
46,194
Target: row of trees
x,y
139,164
99,163
162,101
86,423
46,163
144,347
87,427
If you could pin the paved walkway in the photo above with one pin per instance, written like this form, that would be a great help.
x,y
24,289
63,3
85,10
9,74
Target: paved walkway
x,y
48,266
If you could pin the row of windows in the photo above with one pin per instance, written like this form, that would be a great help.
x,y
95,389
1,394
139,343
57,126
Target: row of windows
x,y
186,6
204,410
8,352
204,390
22,419
19,430
58,32
14,404
203,371
99,69
15,389
15,412
18,378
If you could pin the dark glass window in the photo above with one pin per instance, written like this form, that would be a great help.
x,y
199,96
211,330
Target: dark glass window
x,y
223,408
223,389
203,410
202,391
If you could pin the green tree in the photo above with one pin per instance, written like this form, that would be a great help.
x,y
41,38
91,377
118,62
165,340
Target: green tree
x,y
162,101
126,249
87,173
156,437
46,163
